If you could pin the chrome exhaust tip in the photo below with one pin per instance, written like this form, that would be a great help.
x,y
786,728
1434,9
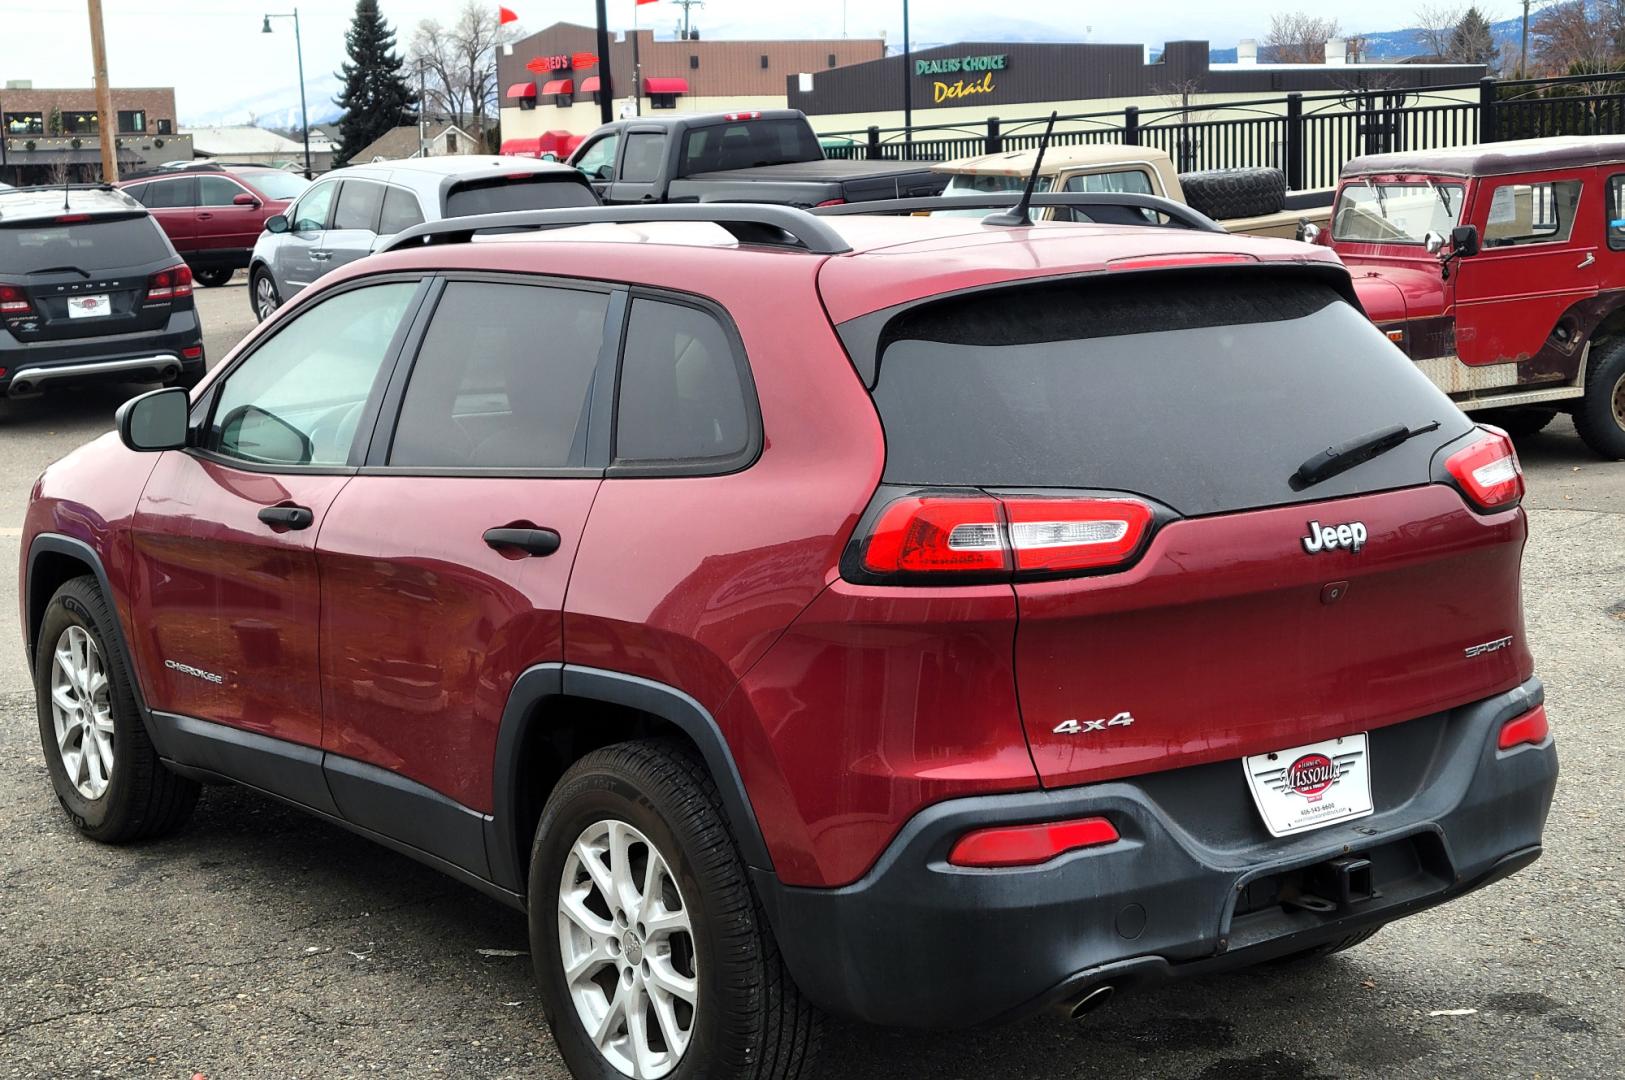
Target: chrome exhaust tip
x,y
1091,1001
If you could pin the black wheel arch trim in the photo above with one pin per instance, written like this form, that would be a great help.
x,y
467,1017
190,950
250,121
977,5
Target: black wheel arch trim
x,y
79,550
527,708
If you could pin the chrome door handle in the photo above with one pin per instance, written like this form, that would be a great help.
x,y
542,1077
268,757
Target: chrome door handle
x,y
321,256
1587,261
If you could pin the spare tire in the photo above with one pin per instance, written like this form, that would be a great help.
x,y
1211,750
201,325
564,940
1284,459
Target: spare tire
x,y
1235,193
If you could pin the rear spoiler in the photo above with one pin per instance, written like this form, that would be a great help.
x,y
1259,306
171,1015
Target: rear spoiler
x,y
1124,204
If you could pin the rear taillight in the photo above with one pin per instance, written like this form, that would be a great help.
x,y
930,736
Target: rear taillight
x,y
1075,534
1488,471
1530,729
937,536
174,283
1030,845
13,301
833,202
742,116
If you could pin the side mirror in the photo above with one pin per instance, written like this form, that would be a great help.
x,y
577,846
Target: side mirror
x,y
155,421
1434,243
1464,240
277,223
245,199
1309,232
606,172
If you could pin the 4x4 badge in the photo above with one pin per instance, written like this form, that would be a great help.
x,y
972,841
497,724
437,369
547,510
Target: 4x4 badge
x,y
1080,727
1349,535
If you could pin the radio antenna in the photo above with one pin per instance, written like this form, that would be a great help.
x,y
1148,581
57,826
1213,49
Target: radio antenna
x,y
1018,215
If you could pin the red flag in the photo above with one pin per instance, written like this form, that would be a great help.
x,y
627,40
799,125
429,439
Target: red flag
x,y
640,3
506,16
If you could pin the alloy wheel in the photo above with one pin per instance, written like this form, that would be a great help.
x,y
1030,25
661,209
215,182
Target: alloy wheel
x,y
626,941
1619,402
82,712
264,297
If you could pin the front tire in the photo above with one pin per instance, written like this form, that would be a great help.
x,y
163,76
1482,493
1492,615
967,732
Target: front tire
x,y
651,949
1600,415
104,769
262,294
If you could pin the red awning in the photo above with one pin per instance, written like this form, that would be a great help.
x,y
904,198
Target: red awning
x,y
556,87
530,148
522,90
655,84
590,84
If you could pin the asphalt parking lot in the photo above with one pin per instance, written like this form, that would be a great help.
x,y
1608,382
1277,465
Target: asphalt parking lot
x,y
261,943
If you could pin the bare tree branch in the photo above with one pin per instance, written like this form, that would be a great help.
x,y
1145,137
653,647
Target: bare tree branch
x,y
1299,38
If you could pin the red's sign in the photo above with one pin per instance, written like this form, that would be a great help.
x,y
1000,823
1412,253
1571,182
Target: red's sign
x,y
540,64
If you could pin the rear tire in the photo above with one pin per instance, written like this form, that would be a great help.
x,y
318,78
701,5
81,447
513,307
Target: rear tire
x,y
1520,423
213,276
262,295
104,769
747,1020
1600,415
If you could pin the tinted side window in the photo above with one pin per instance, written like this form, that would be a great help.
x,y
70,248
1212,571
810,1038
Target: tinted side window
x,y
217,191
1532,213
298,398
682,393
502,379
401,211
311,212
358,205
644,153
136,192
166,194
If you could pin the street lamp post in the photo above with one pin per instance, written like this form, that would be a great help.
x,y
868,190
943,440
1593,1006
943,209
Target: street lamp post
x,y
299,52
908,90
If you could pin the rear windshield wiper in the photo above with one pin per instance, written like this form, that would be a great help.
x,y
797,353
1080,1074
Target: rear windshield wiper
x,y
61,270
1344,456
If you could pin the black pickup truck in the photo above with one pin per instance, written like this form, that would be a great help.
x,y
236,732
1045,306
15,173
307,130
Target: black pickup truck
x,y
763,157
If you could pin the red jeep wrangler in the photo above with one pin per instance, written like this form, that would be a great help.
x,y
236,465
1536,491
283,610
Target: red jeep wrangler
x,y
798,613
1500,269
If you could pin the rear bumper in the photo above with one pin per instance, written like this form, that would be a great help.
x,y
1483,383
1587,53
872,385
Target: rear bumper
x,y
1190,887
152,356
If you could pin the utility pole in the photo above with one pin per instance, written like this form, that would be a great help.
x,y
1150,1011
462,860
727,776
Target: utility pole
x,y
606,92
908,91
423,109
106,118
1523,46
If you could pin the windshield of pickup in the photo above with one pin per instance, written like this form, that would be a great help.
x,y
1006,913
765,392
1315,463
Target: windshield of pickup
x,y
1395,213
748,143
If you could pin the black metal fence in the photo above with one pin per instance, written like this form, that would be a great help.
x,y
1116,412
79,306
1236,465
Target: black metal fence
x,y
1307,136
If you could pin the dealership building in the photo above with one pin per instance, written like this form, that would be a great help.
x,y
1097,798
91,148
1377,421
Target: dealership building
x,y
967,82
550,82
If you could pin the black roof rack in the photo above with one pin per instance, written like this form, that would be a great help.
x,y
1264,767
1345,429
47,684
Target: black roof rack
x,y
750,223
1179,212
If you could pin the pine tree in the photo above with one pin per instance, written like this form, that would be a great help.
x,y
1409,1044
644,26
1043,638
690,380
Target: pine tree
x,y
376,97
1473,42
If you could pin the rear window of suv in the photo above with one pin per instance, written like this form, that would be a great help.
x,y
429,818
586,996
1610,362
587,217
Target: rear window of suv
x,y
108,243
540,191
1202,393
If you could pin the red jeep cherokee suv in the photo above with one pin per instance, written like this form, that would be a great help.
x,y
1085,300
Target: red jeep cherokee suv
x,y
923,620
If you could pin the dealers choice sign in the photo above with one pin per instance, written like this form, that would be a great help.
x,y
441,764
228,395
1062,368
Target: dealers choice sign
x,y
975,75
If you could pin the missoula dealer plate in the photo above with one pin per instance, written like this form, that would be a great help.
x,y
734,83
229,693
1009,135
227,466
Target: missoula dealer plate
x,y
1310,786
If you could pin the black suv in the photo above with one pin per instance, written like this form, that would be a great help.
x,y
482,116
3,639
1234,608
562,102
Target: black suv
x,y
91,289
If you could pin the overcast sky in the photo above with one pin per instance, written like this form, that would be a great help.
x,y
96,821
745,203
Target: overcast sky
x,y
213,53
